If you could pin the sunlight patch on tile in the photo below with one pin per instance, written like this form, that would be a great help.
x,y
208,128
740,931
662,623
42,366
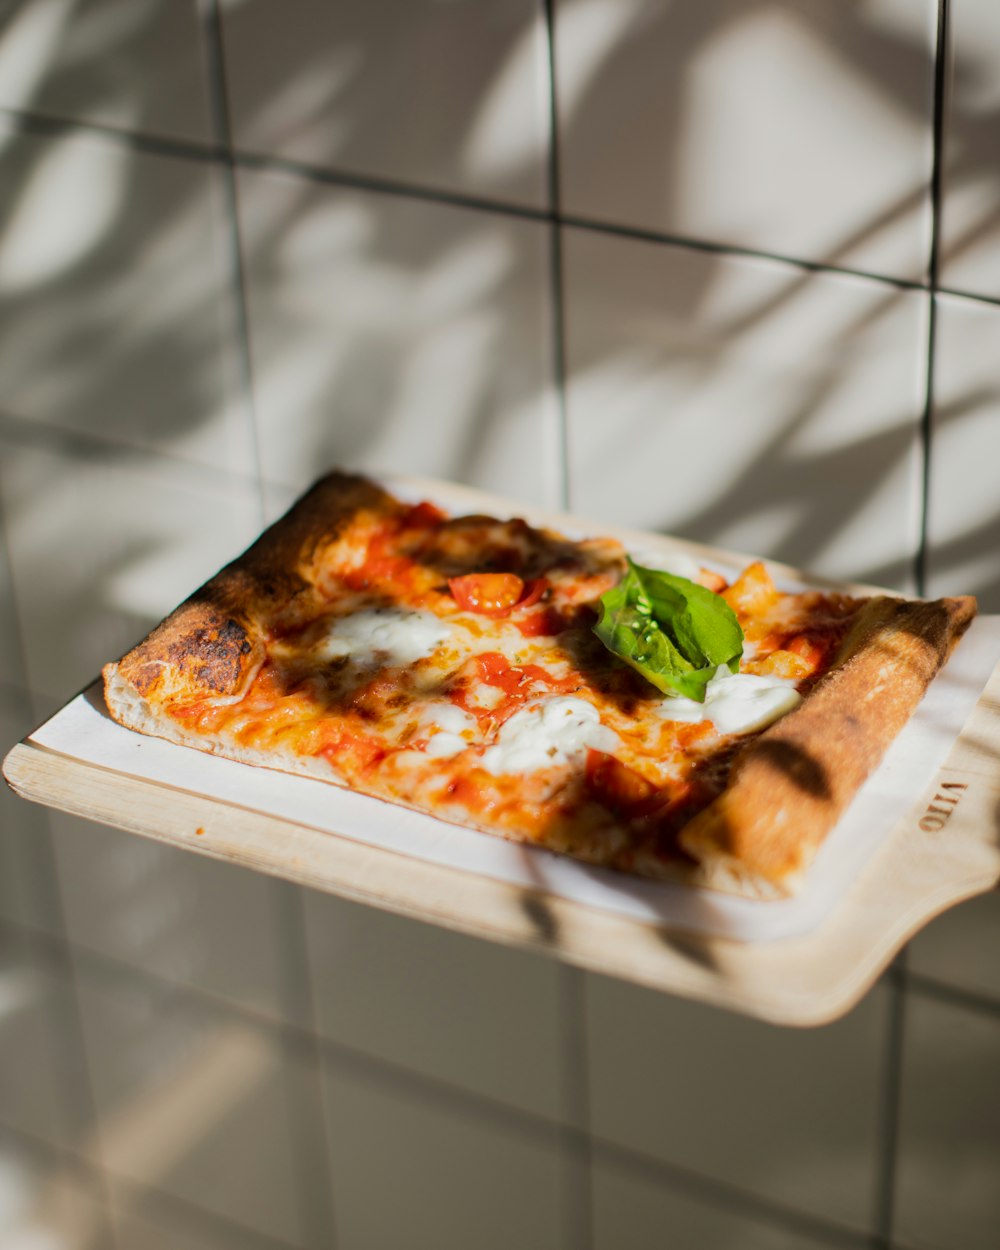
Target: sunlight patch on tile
x,y
42,239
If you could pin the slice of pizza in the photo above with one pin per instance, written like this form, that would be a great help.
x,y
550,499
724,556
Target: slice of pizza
x,y
632,711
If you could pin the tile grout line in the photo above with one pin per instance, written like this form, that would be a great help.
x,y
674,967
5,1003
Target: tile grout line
x,y
187,150
83,1066
660,238
264,162
315,1202
578,1213
211,23
898,982
85,444
577,1142
98,965
942,52
923,986
556,282
56,125
887,1128
292,924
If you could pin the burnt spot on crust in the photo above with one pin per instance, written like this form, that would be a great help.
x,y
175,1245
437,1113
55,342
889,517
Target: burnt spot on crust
x,y
213,657
209,644
208,651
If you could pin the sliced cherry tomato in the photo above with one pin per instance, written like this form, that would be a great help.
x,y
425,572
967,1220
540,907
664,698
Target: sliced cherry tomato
x,y
533,592
546,620
489,594
519,682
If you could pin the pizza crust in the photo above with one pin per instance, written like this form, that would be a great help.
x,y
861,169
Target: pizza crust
x,y
789,786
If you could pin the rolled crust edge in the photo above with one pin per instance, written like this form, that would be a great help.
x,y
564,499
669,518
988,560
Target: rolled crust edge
x,y
790,785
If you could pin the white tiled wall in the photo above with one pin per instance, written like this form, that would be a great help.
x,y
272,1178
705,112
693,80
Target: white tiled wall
x,y
386,331
690,411
796,129
970,226
633,1209
459,1011
949,1150
84,347
134,67
46,1202
194,1103
962,505
188,920
409,1168
451,96
705,301
794,1120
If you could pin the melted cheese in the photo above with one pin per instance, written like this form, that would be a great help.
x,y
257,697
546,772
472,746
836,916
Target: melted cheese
x,y
445,745
736,703
547,733
448,717
451,730
380,636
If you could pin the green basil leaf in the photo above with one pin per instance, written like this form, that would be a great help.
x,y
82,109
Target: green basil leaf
x,y
673,631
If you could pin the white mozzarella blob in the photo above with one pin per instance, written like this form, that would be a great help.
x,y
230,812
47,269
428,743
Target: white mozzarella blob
x,y
485,697
736,703
447,723
444,745
449,717
549,732
676,707
384,636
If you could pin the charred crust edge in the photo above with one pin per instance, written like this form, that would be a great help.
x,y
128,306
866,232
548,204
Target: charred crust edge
x,y
211,640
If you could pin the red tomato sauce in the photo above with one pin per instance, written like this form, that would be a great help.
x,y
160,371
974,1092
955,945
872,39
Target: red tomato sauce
x,y
518,682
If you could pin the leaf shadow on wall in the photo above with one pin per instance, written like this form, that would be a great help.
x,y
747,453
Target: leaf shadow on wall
x,y
389,332
815,431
